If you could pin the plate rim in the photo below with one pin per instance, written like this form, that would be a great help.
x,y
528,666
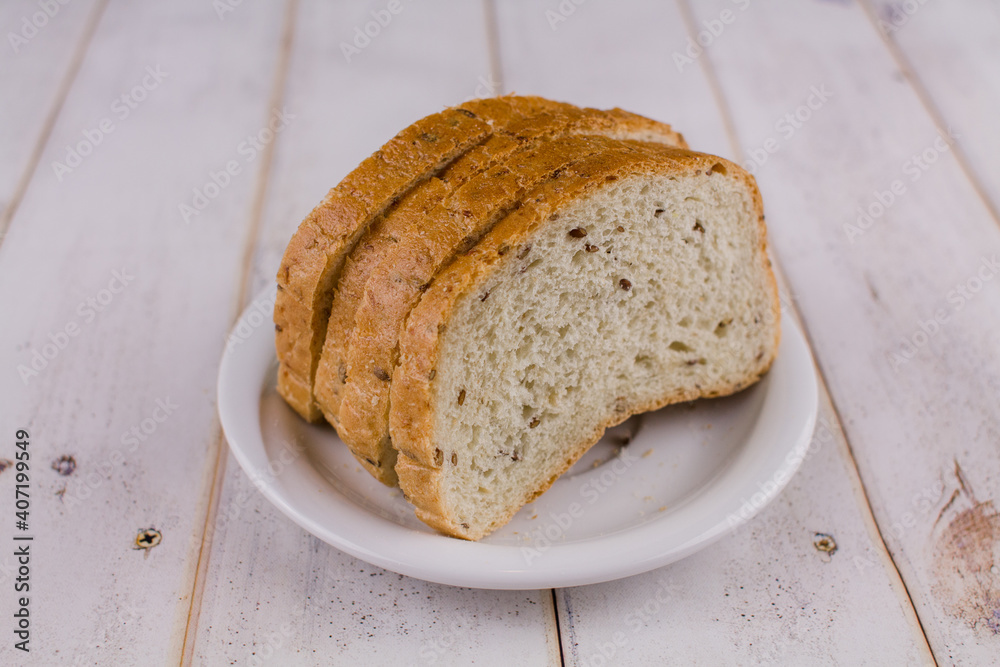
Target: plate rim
x,y
455,562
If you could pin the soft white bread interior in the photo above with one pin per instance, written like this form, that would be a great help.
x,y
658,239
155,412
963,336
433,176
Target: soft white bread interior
x,y
631,284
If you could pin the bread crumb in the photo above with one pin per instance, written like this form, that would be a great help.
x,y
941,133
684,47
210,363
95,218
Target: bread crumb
x,y
647,453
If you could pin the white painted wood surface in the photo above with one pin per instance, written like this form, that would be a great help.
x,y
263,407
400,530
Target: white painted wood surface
x,y
959,79
339,606
909,420
95,598
914,469
765,591
41,53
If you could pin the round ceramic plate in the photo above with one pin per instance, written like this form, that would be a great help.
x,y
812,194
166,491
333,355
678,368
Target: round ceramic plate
x,y
654,490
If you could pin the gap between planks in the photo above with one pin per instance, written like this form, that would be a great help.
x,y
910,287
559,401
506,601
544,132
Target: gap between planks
x,y
76,59
555,614
218,471
493,46
737,147
927,101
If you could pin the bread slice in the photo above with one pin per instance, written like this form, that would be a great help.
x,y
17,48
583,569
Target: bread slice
x,y
315,255
634,280
387,271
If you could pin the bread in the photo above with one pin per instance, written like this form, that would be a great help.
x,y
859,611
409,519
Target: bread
x,y
636,279
315,255
479,300
401,253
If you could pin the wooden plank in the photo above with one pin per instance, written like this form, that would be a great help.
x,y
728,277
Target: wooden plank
x,y
901,308
765,594
772,592
951,53
39,60
281,596
274,593
564,51
124,309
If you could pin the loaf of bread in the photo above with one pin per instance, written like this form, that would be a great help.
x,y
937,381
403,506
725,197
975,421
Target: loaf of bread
x,y
492,311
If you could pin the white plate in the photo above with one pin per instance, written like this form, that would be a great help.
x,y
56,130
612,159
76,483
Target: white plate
x,y
691,474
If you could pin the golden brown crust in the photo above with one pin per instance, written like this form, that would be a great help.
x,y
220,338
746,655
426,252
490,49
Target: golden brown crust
x,y
412,391
332,370
441,218
521,132
315,255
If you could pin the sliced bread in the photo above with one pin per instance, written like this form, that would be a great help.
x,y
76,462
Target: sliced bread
x,y
636,279
525,123
315,255
444,216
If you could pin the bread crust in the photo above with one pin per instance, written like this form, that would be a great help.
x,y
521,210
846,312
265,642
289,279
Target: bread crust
x,y
412,403
438,220
315,255
331,370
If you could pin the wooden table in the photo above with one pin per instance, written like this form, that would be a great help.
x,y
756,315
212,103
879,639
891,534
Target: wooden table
x,y
143,204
